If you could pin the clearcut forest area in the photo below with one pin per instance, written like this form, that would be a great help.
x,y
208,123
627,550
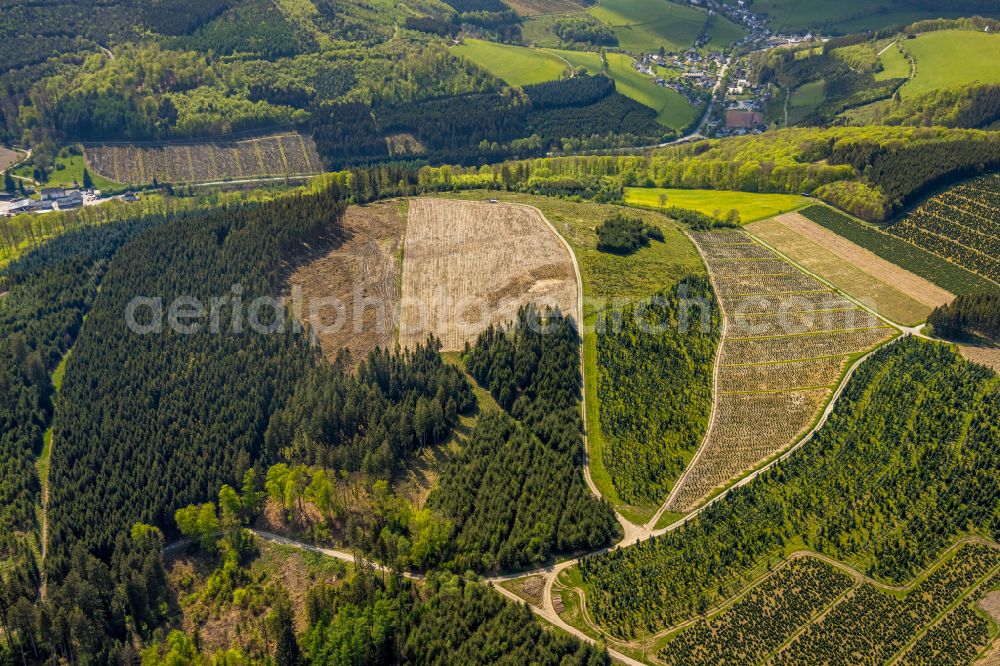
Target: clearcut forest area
x,y
464,332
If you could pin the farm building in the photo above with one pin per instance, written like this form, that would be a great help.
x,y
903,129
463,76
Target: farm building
x,y
736,119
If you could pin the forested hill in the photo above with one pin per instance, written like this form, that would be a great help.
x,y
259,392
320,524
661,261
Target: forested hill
x,y
148,423
908,461
516,495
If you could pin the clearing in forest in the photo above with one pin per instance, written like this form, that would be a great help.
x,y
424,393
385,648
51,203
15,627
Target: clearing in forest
x,y
469,265
361,272
541,7
883,286
289,154
9,157
517,65
788,340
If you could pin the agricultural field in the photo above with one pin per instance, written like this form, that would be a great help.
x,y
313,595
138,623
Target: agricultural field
x,y
643,26
521,66
763,619
949,58
468,265
961,225
811,611
274,155
788,338
541,7
517,65
845,16
360,269
873,625
750,205
894,249
894,63
884,287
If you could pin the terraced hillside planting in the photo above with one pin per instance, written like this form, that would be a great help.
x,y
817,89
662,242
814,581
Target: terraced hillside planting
x,y
763,619
894,249
873,625
961,225
904,468
469,265
787,341
276,155
886,288
811,611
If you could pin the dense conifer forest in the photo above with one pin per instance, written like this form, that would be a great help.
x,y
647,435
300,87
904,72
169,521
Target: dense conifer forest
x,y
968,315
516,495
369,420
453,621
655,387
147,423
49,291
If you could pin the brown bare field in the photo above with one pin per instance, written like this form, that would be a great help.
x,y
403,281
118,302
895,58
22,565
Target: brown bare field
x,y
538,7
991,605
775,377
361,271
289,154
749,428
530,588
469,265
894,292
982,353
9,157
792,323
779,361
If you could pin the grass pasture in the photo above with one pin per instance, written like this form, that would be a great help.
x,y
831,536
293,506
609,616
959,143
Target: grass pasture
x,y
951,58
517,65
587,60
805,99
894,64
68,170
646,25
846,16
751,206
672,108
520,66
